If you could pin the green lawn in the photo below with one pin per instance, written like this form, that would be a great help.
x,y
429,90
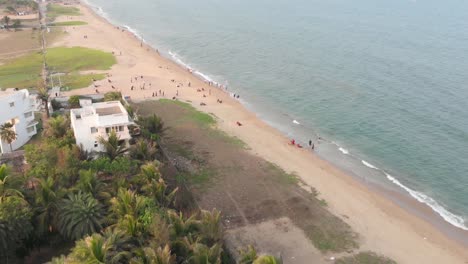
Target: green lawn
x,y
25,71
199,117
76,81
366,257
55,10
67,60
67,23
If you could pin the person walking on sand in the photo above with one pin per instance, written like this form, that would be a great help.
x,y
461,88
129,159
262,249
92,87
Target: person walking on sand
x,y
310,143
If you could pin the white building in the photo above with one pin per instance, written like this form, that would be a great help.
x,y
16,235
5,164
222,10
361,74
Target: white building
x,y
93,121
18,107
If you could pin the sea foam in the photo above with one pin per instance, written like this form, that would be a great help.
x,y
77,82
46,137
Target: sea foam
x,y
453,219
369,165
343,150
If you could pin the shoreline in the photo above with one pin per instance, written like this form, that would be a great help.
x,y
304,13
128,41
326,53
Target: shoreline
x,y
262,144
296,131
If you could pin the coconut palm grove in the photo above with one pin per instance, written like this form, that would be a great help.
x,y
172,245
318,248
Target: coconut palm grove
x,y
118,207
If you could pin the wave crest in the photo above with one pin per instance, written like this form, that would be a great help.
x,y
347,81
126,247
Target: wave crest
x,y
453,219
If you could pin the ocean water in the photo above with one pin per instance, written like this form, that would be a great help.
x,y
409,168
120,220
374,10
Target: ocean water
x,y
384,83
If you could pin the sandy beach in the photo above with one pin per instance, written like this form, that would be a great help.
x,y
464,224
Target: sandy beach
x,y
383,226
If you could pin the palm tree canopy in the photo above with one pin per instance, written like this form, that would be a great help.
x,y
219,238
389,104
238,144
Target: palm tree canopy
x,y
268,260
112,246
7,133
112,146
79,215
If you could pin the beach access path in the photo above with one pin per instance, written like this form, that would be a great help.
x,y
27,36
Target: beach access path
x,y
384,227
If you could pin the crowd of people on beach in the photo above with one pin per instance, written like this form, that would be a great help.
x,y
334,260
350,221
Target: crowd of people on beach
x,y
139,83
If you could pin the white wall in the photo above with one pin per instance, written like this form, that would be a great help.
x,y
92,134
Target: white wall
x,y
23,103
88,118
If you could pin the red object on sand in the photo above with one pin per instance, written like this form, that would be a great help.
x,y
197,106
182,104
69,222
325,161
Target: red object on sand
x,y
299,146
293,142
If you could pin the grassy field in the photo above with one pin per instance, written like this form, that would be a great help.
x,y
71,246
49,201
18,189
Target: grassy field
x,y
365,258
24,72
55,10
76,81
68,60
193,114
68,23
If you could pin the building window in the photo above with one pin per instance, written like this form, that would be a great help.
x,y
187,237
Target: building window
x,y
95,144
28,114
121,128
108,130
94,130
12,104
30,129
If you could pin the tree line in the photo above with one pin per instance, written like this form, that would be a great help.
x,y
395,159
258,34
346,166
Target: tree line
x,y
117,207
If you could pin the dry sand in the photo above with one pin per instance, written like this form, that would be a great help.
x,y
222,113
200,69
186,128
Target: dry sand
x,y
384,227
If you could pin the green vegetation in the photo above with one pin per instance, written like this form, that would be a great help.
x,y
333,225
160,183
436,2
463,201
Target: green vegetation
x,y
58,59
206,121
199,179
22,72
327,239
68,23
365,258
76,81
56,10
25,71
7,134
194,115
116,209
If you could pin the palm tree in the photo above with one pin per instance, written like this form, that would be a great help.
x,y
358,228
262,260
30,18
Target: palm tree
x,y
180,226
110,247
152,127
248,256
58,126
15,224
150,255
89,182
127,202
211,231
112,146
268,260
43,95
8,185
195,252
47,198
79,215
8,134
143,150
158,190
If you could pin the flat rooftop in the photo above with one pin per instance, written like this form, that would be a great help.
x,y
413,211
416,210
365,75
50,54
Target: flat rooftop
x,y
112,110
7,92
